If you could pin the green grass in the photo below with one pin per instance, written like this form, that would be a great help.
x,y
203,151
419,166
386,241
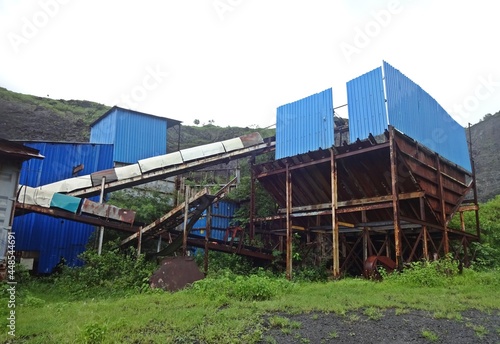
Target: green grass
x,y
430,335
213,312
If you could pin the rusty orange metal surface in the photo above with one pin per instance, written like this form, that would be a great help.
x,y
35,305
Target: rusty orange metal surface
x,y
108,211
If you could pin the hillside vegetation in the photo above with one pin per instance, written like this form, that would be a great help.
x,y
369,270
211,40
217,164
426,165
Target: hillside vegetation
x,y
26,117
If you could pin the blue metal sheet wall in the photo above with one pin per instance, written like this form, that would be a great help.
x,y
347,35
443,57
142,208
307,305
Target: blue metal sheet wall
x,y
305,125
414,112
366,105
134,135
104,130
55,238
222,216
60,158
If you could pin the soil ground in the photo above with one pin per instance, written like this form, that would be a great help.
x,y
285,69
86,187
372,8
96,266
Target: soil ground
x,y
387,327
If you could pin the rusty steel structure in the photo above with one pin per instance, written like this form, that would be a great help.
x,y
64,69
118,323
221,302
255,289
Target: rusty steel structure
x,y
388,196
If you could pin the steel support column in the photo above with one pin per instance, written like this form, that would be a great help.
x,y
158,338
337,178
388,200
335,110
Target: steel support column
x,y
288,182
446,242
425,248
252,199
101,229
395,198
335,225
208,228
186,214
473,167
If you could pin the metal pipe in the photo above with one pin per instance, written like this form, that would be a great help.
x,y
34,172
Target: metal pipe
x,y
186,213
252,199
101,229
208,228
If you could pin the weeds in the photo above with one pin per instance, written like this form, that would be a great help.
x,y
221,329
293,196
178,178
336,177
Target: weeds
x,y
373,313
430,335
479,330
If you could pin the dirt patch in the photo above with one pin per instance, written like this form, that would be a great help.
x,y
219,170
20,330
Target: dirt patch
x,y
375,326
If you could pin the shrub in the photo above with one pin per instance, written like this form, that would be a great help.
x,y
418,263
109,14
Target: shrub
x,y
254,287
425,273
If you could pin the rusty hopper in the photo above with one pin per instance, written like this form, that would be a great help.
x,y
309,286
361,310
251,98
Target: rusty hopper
x,y
175,273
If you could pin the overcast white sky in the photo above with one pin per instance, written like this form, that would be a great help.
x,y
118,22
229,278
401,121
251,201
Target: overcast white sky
x,y
236,61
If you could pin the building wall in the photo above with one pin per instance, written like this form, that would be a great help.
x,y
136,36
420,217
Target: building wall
x,y
49,238
9,174
135,136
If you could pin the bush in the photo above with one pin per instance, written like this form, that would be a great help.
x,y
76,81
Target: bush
x,y
228,286
113,271
425,273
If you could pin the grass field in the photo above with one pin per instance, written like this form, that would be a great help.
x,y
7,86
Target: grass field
x,y
228,308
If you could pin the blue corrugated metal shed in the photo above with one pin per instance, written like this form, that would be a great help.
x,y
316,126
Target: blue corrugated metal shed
x,y
409,109
305,125
54,238
135,135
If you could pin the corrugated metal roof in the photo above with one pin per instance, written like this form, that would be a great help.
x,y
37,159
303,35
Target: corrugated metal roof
x,y
366,105
135,135
305,125
18,150
170,122
55,238
414,112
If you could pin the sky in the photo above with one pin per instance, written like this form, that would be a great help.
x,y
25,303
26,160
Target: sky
x,y
234,62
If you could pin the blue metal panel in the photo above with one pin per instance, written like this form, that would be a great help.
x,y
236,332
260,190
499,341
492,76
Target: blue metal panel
x,y
366,105
61,158
222,215
414,112
305,125
139,136
104,130
52,238
55,238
